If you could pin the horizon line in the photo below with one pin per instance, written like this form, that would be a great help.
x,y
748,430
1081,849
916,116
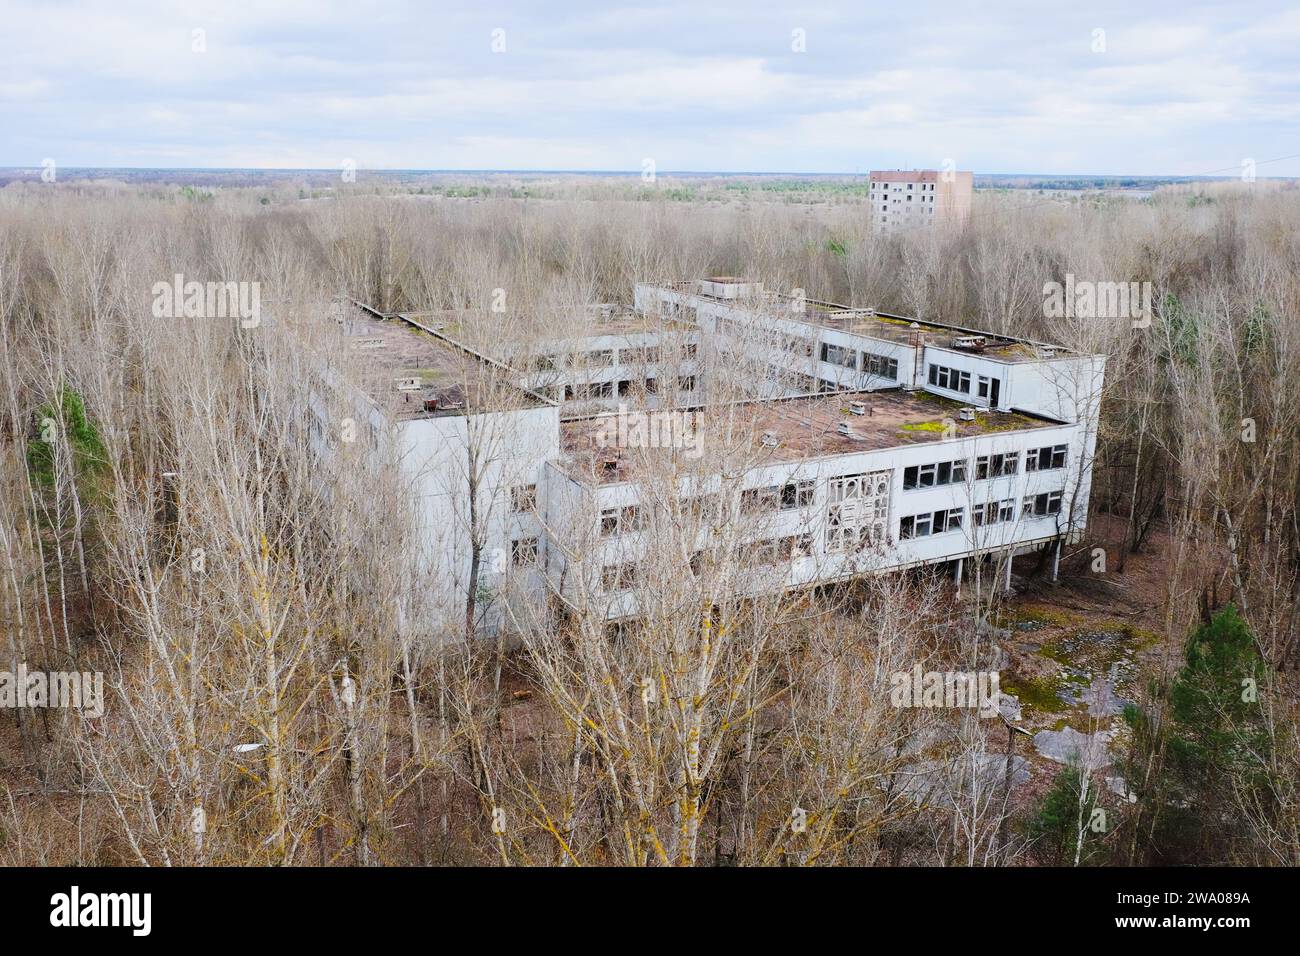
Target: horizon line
x,y
609,172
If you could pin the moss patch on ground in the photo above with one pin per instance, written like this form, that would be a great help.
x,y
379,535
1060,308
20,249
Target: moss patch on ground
x,y
988,423
1097,648
1075,651
1036,693
924,427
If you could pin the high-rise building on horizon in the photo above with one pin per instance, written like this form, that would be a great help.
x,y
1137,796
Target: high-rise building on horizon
x,y
920,197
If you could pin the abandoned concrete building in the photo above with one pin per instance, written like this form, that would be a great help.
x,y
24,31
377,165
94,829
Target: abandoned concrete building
x,y
923,198
831,441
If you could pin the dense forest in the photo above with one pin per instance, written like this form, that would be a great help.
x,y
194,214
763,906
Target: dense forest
x,y
271,700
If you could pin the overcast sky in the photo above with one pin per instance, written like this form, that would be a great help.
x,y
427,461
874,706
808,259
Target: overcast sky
x,y
1175,88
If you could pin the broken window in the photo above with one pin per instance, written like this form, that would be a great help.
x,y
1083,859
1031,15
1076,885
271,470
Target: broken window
x,y
857,509
759,500
931,475
523,498
796,495
523,552
615,521
1046,458
704,507
839,355
996,466
618,577
931,522
1042,505
881,366
776,550
994,512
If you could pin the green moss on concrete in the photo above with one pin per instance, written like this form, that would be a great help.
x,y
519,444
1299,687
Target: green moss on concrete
x,y
1037,693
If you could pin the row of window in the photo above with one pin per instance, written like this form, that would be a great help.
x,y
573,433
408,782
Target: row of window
x,y
616,577
799,494
939,473
932,522
953,379
1047,458
778,550
523,551
644,355
705,507
551,363
756,336
796,494
794,343
881,366
997,466
787,497
580,393
603,358
929,210
771,551
935,474
994,512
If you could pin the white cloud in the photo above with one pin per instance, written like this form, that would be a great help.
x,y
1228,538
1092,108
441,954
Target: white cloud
x,y
599,86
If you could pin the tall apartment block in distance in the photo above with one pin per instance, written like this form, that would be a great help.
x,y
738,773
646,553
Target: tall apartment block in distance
x,y
919,197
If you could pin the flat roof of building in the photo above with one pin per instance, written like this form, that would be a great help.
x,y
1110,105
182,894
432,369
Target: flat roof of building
x,y
600,320
885,326
805,427
912,175
904,330
403,367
